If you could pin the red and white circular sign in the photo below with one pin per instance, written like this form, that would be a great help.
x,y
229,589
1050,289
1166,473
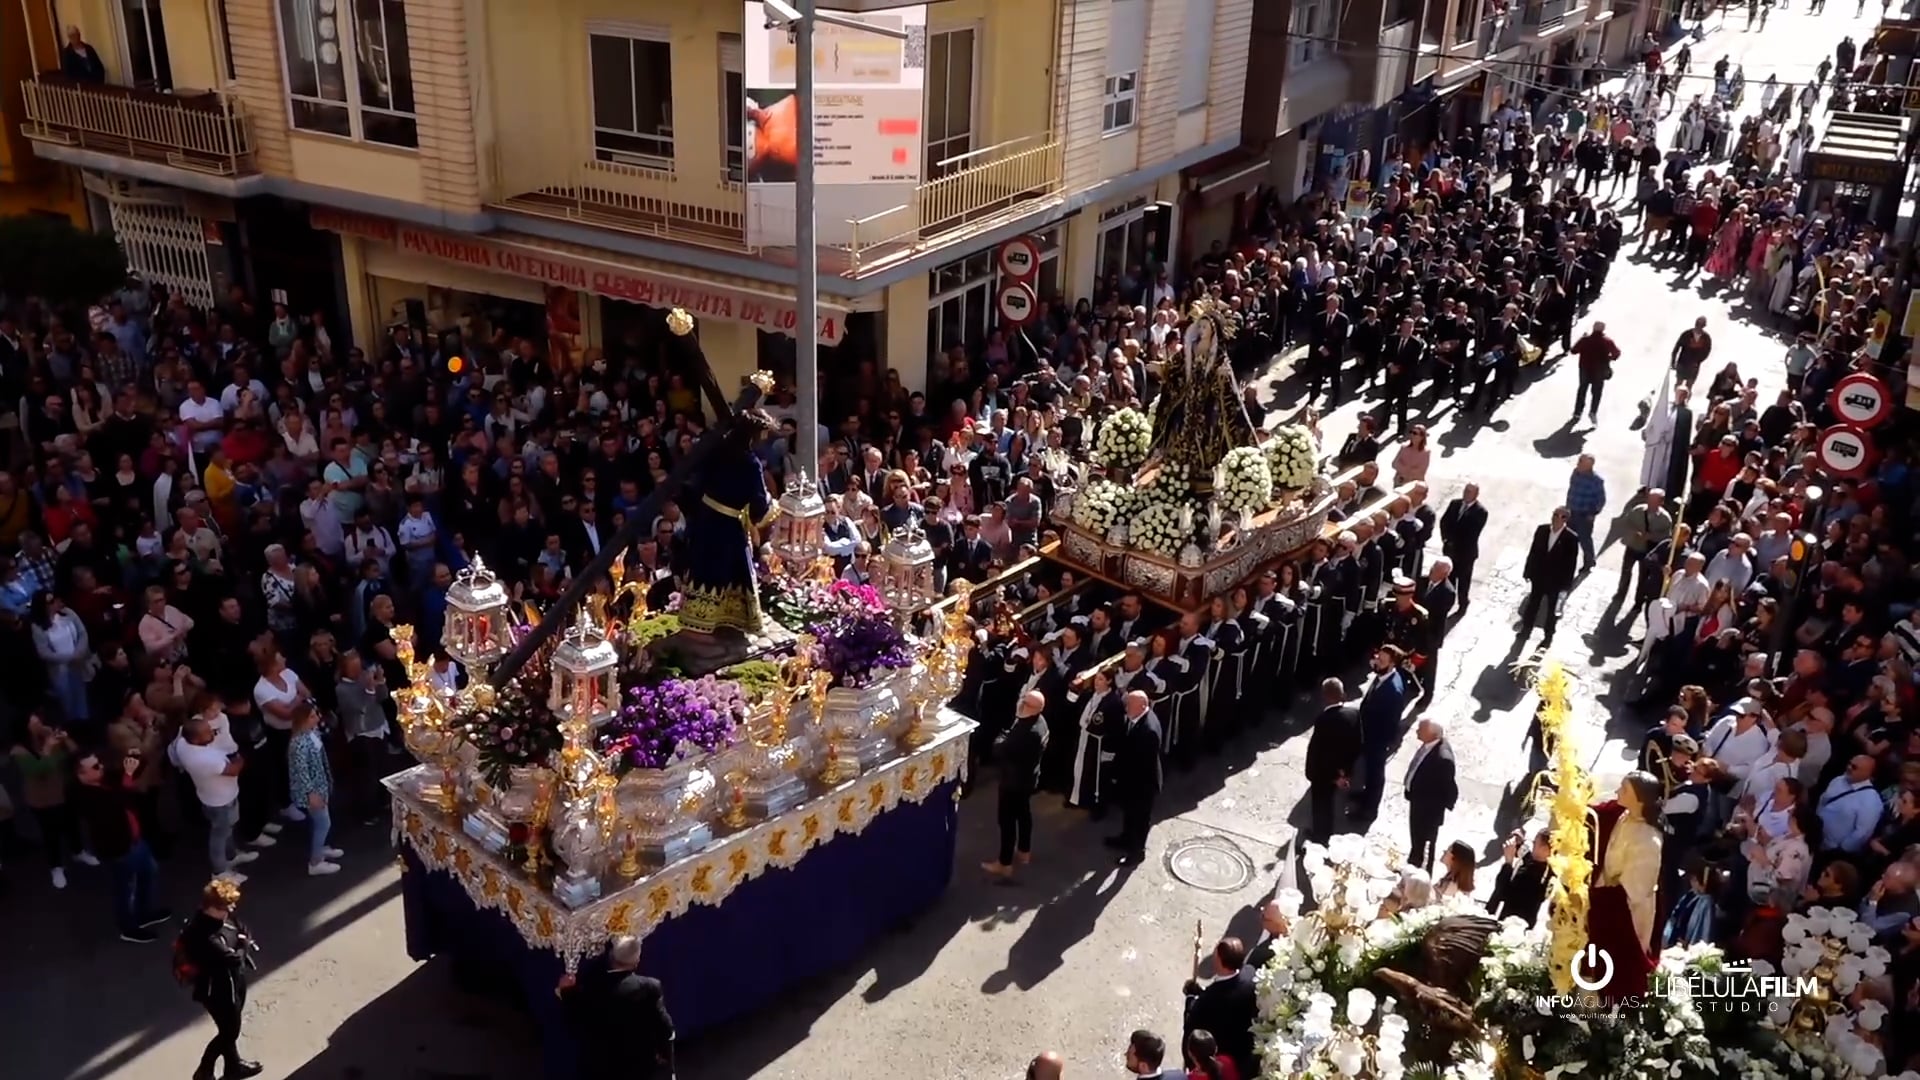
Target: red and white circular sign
x,y
1860,399
1020,258
1017,303
1845,450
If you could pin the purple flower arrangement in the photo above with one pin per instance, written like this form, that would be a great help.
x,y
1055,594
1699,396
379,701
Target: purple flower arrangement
x,y
858,636
673,721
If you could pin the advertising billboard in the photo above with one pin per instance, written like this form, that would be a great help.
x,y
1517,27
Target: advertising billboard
x,y
869,101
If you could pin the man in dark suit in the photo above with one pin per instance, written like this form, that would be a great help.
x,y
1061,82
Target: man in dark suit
x,y
1431,790
1331,751
621,1017
1437,596
1137,777
1460,528
1146,1058
1380,711
1326,346
1406,355
1225,1007
1551,565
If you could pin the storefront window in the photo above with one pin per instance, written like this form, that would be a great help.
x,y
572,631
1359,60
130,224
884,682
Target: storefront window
x,y
1122,244
961,295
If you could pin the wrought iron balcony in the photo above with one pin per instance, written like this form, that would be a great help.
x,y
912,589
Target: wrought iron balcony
x,y
205,132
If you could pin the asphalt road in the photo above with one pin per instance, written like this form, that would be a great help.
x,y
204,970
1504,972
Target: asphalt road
x,y
1071,959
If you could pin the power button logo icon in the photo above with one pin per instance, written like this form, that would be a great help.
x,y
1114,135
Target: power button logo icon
x,y
1592,968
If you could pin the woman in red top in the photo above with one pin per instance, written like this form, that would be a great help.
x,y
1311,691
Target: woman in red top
x,y
66,512
1718,468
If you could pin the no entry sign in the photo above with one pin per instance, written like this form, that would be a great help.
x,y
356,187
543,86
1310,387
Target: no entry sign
x,y
1845,450
1861,400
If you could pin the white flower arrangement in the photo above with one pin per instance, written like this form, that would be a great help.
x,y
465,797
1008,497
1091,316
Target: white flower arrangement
x,y
1313,1023
1157,527
1834,939
1102,505
1292,457
1169,484
1123,439
1244,482
1316,1019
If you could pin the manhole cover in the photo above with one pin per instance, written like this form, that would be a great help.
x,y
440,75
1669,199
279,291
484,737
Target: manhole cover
x,y
1213,863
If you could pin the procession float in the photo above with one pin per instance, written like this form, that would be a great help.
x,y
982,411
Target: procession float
x,y
762,739
1184,504
1360,988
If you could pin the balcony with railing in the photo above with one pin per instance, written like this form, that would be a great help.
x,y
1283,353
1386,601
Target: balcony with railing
x,y
631,199
203,132
979,190
1544,13
974,192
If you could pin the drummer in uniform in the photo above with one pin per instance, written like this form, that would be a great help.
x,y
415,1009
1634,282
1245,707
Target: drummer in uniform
x,y
1405,625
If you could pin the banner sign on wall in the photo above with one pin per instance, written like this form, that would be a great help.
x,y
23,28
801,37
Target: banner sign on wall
x,y
869,98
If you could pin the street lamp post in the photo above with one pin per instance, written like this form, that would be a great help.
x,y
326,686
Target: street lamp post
x,y
798,17
806,367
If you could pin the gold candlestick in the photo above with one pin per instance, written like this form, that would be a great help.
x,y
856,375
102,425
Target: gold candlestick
x,y
537,827
629,867
736,815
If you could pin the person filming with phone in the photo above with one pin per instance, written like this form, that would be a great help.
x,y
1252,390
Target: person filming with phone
x,y
212,956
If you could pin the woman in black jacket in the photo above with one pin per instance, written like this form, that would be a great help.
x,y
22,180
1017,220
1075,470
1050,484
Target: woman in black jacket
x,y
214,953
1522,884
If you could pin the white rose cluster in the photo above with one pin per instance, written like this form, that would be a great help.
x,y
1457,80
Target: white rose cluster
x,y
1156,528
1246,483
1102,505
1169,485
1123,439
1292,457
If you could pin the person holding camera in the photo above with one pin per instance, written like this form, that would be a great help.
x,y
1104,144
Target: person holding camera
x,y
213,955
105,798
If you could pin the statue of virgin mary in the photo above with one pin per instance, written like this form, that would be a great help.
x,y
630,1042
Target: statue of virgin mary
x,y
1622,904
1199,415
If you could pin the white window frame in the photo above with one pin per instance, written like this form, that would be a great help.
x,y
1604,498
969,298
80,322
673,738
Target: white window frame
x,y
1118,220
664,136
937,151
1304,26
144,41
1126,55
344,20
1120,103
733,156
1196,55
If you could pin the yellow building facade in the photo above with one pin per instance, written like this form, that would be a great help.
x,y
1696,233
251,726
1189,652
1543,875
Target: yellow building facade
x,y
579,163
28,185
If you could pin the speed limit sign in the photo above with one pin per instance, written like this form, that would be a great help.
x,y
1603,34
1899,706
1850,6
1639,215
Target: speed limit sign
x,y
1017,303
1860,399
1019,258
1845,450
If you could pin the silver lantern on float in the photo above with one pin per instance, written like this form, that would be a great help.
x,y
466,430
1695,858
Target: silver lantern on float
x,y
799,531
907,574
478,630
